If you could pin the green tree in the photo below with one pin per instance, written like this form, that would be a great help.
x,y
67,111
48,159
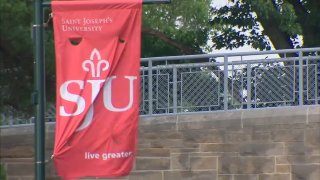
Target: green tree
x,y
16,57
181,27
282,22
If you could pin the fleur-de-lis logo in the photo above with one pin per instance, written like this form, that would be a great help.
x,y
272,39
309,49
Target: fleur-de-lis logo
x,y
101,65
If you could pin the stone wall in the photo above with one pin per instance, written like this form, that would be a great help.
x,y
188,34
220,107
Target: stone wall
x,y
260,144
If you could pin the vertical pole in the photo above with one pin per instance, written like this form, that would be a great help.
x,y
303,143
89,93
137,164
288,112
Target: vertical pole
x,y
300,79
225,83
150,87
39,92
248,85
175,90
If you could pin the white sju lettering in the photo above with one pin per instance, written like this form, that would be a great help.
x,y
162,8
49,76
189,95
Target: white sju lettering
x,y
107,94
95,87
95,84
66,95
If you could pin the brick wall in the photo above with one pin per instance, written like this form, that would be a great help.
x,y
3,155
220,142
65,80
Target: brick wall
x,y
260,144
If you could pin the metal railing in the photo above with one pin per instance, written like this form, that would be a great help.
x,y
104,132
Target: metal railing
x,y
229,81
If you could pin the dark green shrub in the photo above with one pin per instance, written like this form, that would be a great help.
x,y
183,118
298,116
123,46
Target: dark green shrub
x,y
2,173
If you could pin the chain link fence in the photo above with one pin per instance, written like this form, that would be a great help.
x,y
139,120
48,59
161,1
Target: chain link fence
x,y
228,81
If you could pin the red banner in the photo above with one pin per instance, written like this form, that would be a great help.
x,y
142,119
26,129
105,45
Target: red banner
x,y
97,45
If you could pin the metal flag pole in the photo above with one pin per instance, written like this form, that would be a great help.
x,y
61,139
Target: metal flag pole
x,y
39,92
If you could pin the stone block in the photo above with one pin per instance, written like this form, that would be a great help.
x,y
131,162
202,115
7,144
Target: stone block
x,y
17,146
159,123
50,136
313,125
236,137
312,137
203,162
261,149
50,169
180,161
314,114
13,178
246,165
274,177
300,148
285,115
283,168
274,127
286,135
225,177
161,135
53,178
261,136
216,116
21,178
20,169
17,160
190,175
230,124
306,172
152,163
17,130
50,127
297,148
216,154
153,152
146,175
204,136
167,143
144,144
172,143
245,177
184,150
238,177
144,141
298,159
219,147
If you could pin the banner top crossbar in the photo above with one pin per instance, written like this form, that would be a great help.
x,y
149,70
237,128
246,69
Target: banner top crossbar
x,y
48,3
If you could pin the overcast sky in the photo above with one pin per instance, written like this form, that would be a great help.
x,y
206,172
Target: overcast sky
x,y
219,3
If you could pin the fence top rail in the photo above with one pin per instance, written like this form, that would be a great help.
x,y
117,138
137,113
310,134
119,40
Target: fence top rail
x,y
230,54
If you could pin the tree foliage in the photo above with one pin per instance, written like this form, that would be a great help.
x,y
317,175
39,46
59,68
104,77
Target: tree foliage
x,y
16,54
282,22
180,27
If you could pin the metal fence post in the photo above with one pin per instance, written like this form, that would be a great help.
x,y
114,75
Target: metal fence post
x,y
175,90
225,83
248,85
300,79
150,87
